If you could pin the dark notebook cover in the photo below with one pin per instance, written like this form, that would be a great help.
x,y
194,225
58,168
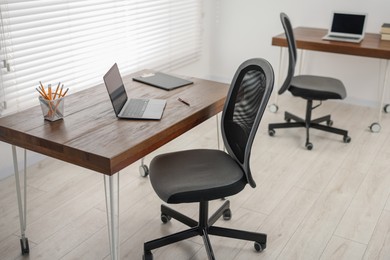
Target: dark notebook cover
x,y
162,80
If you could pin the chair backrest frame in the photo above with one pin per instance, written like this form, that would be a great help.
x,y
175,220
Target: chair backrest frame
x,y
292,52
245,104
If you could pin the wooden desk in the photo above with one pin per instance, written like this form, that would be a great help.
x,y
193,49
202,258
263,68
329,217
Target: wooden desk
x,y
311,39
371,46
91,136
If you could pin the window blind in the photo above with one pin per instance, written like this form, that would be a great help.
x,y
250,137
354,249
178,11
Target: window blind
x,y
76,42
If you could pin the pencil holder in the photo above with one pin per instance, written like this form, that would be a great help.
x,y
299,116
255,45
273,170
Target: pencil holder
x,y
52,110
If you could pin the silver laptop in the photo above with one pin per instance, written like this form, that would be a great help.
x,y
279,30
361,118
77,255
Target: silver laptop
x,y
130,108
347,27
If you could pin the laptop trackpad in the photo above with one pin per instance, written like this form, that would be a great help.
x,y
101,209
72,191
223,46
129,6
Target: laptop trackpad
x,y
155,109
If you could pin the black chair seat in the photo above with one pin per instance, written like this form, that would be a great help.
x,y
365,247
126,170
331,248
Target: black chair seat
x,y
195,175
317,87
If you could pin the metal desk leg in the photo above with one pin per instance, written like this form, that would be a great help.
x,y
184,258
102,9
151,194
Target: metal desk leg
x,y
274,107
22,204
376,127
219,134
111,187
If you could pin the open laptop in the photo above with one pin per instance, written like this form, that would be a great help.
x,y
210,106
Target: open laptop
x,y
162,80
130,108
347,27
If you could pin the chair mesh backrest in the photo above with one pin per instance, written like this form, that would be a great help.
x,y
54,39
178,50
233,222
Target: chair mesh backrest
x,y
244,107
292,52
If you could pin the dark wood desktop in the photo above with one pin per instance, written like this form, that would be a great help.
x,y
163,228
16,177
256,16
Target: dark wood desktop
x,y
311,39
92,137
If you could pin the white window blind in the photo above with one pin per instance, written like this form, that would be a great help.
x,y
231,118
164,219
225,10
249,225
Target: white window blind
x,y
76,42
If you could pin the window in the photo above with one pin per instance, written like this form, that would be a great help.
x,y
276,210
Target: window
x,y
76,42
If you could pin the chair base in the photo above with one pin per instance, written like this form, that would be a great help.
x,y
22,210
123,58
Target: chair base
x,y
309,123
202,228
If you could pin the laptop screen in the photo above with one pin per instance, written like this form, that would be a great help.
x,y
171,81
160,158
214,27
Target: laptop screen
x,y
348,23
116,89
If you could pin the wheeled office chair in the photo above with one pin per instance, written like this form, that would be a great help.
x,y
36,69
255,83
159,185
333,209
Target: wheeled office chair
x,y
309,87
203,175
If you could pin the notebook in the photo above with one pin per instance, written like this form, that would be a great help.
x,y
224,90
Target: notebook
x,y
162,80
130,108
347,27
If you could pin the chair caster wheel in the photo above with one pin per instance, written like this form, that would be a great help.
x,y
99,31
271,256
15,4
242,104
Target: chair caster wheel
x,y
227,214
259,247
347,139
375,127
309,146
147,255
273,108
386,108
143,170
165,218
329,123
24,246
271,132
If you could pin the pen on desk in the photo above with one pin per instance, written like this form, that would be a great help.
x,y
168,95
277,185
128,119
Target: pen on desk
x,y
184,102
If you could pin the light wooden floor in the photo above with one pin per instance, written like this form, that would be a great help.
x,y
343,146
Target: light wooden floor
x,y
328,203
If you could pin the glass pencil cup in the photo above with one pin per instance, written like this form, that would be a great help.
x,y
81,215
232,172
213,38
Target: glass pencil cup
x,y
52,110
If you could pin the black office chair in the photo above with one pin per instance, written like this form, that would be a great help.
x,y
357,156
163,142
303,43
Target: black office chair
x,y
309,87
202,175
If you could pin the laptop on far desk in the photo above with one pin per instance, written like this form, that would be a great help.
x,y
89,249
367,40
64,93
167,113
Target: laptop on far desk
x,y
347,27
162,80
130,108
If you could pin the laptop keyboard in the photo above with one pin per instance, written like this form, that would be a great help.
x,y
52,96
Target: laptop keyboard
x,y
344,37
136,107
